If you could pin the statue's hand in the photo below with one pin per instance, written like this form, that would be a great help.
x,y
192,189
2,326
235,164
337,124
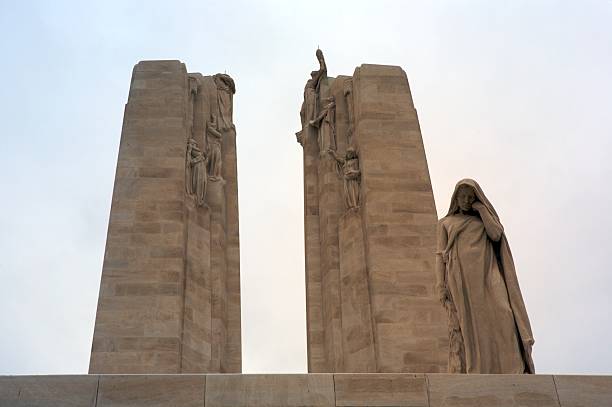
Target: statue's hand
x,y
478,206
443,294
319,55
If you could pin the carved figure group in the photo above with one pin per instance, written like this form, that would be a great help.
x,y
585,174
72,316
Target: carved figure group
x,y
205,164
489,329
312,115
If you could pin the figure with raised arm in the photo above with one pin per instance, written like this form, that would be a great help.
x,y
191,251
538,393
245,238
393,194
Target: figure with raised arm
x,y
311,90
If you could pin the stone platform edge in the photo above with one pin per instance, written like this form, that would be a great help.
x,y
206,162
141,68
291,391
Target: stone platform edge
x,y
346,389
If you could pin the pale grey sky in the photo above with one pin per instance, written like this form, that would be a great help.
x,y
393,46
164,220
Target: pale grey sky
x,y
517,95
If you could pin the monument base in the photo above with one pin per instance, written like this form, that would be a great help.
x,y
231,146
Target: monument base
x,y
346,389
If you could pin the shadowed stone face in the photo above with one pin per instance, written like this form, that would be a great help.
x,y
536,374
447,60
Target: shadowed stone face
x,y
465,198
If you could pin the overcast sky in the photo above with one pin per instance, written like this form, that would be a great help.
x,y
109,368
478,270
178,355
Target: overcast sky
x,y
517,95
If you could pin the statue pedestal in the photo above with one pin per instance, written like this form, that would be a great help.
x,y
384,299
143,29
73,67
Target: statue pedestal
x,y
324,389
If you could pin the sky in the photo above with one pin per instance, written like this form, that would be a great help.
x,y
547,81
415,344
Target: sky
x,y
517,95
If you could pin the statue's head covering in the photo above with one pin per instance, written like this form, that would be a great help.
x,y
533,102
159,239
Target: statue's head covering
x,y
225,82
454,206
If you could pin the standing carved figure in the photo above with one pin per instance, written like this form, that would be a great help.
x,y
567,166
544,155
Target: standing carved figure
x,y
348,96
489,328
311,90
193,92
196,177
214,139
225,100
326,123
351,174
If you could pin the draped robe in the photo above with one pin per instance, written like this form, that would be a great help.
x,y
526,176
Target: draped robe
x,y
352,175
487,317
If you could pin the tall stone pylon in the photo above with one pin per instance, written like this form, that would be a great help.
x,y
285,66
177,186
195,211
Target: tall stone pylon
x,y
370,227
170,292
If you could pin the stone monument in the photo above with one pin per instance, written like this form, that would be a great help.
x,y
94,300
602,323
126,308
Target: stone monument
x,y
170,291
170,298
370,227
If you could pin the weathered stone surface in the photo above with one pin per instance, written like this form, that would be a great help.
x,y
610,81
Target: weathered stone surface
x,y
365,389
151,391
584,391
146,232
48,391
358,339
400,261
170,289
270,390
387,389
317,358
459,390
374,114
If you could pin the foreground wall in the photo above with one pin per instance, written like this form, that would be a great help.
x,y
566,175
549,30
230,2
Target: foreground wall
x,y
423,390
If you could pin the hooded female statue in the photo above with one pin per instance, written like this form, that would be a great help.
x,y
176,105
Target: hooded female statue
x,y
488,325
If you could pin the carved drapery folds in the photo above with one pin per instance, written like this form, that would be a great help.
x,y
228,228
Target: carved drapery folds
x,y
489,330
196,176
196,158
307,113
193,93
348,169
225,94
325,122
214,139
348,95
221,122
205,140
311,105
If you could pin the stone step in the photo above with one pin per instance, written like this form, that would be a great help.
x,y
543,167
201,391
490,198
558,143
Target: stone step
x,y
346,389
